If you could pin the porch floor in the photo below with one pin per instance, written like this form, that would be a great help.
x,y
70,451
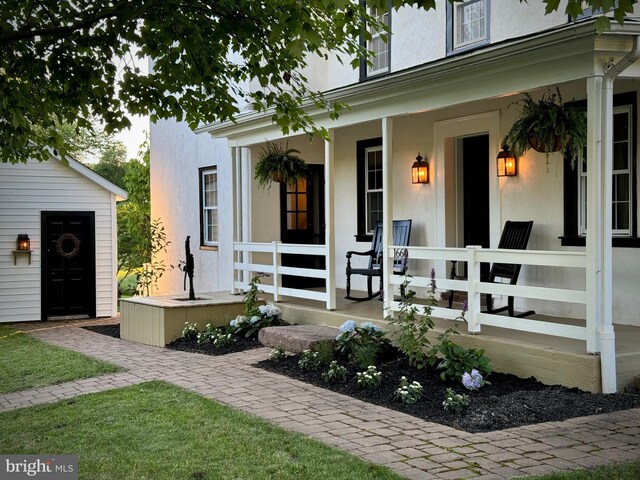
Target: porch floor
x,y
550,359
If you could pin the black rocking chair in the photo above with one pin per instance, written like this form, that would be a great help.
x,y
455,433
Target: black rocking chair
x,y
515,236
401,233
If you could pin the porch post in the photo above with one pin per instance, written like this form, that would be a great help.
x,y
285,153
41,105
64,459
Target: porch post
x,y
329,221
245,200
387,210
595,212
236,216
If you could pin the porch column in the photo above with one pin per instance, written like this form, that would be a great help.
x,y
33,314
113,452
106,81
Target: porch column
x,y
236,214
595,212
329,221
245,201
387,210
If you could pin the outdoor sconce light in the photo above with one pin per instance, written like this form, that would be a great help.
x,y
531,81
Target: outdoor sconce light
x,y
23,245
23,242
507,163
420,171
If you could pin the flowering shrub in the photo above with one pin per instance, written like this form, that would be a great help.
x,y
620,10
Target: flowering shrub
x,y
455,402
473,380
334,373
190,331
249,326
309,360
456,360
361,344
407,392
277,355
371,378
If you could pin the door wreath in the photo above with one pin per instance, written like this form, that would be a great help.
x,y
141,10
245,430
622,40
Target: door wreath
x,y
76,245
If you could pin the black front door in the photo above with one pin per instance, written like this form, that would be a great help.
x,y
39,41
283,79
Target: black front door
x,y
68,264
302,221
475,178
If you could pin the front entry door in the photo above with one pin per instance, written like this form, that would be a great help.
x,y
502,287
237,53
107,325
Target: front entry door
x,y
302,221
68,265
475,179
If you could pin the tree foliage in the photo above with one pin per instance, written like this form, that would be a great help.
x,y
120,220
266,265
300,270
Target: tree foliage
x,y
72,61
112,164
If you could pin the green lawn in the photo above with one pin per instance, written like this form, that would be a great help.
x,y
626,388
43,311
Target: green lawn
x,y
626,471
159,431
29,363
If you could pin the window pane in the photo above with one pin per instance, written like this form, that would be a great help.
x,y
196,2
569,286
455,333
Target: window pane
x,y
302,221
620,127
621,156
302,202
621,216
470,22
621,188
291,201
291,221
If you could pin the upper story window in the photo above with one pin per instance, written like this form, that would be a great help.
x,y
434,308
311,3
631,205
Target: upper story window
x,y
209,206
380,60
467,25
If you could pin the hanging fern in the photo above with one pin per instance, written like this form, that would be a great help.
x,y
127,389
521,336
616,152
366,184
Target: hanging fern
x,y
279,164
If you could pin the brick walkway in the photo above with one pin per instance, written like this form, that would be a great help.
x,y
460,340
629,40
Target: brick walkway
x,y
415,448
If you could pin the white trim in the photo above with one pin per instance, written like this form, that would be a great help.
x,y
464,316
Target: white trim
x,y
206,208
94,177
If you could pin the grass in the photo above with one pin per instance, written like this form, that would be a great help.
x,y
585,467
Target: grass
x,y
30,363
159,431
624,471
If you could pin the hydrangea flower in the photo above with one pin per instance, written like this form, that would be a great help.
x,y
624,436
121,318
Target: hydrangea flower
x,y
255,319
348,326
269,310
473,380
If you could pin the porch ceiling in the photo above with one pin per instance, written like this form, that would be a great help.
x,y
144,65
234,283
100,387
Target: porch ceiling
x,y
562,55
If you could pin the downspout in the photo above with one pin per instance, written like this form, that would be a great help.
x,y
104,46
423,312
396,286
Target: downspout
x,y
606,333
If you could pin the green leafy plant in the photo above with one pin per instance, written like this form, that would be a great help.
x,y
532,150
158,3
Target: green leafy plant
x,y
325,351
454,402
309,360
456,360
277,355
277,163
548,125
190,331
408,393
362,344
370,378
334,373
413,327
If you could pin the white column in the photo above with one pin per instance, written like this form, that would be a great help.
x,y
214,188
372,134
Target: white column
x,y
473,296
606,333
246,182
329,221
387,210
236,214
595,213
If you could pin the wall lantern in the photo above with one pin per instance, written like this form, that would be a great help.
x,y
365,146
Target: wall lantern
x,y
420,171
507,163
23,242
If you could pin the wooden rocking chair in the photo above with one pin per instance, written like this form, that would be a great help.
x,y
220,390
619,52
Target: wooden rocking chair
x,y
515,236
401,233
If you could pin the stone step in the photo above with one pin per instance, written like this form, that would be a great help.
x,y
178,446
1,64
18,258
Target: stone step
x,y
296,338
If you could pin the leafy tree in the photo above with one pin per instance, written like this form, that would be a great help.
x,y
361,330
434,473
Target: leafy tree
x,y
112,164
71,61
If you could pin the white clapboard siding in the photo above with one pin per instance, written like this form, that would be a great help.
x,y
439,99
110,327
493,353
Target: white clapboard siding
x,y
26,190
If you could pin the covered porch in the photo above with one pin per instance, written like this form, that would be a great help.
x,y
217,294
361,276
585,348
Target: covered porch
x,y
432,109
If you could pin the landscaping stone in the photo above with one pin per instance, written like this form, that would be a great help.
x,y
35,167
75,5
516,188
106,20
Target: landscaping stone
x,y
296,338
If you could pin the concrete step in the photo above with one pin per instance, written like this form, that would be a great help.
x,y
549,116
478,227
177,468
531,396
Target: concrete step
x,y
296,338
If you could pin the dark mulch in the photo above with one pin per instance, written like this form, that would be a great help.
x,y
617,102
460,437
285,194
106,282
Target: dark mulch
x,y
109,330
507,402
193,346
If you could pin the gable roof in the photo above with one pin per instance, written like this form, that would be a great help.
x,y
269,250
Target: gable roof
x,y
94,177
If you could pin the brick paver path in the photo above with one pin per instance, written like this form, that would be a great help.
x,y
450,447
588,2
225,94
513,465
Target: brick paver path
x,y
415,448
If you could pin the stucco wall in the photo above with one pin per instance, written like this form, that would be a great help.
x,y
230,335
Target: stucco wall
x,y
176,156
26,190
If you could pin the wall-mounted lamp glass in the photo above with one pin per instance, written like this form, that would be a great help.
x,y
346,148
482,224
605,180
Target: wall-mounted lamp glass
x,y
420,171
23,243
507,163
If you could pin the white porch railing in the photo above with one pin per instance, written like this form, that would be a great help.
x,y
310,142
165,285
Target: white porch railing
x,y
272,265
474,287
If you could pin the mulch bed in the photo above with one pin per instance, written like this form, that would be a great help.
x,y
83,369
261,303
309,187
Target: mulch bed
x,y
507,402
193,346
109,330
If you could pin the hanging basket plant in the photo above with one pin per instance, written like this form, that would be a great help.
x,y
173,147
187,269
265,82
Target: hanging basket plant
x,y
547,126
277,163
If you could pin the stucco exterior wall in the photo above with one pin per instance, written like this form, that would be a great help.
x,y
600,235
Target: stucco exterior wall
x,y
26,190
177,154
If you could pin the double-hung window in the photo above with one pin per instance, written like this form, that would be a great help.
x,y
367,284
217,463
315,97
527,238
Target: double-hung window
x,y
381,49
623,182
467,24
369,182
209,206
